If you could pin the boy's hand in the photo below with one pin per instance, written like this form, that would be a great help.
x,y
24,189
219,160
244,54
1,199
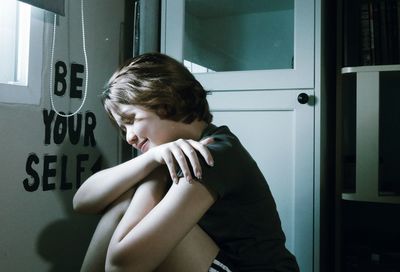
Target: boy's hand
x,y
181,150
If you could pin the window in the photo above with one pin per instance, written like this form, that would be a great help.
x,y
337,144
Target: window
x,y
21,30
14,30
196,68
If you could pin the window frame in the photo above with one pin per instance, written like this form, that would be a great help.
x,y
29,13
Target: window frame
x,y
31,93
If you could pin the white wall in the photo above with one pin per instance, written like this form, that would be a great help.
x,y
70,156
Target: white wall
x,y
39,230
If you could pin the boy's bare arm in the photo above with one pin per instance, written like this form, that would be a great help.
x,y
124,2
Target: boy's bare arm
x,y
143,246
104,187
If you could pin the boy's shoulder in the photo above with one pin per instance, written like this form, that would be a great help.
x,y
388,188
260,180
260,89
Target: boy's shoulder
x,y
224,141
218,133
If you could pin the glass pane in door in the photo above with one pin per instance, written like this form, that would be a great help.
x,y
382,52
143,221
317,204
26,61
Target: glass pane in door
x,y
240,35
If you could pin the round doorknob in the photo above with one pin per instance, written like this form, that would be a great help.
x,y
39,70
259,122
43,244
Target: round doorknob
x,y
303,98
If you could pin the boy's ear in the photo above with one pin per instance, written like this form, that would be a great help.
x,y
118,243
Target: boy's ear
x,y
163,111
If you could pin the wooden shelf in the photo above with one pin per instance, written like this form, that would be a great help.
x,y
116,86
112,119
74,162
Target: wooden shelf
x,y
374,68
371,198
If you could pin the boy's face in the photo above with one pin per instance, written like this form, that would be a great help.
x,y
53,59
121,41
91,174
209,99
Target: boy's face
x,y
144,129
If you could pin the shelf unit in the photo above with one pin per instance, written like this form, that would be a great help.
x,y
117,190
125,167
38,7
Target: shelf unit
x,y
368,147
367,131
367,126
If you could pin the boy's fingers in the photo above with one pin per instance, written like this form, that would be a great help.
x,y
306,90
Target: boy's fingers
x,y
203,151
207,141
181,160
191,154
169,161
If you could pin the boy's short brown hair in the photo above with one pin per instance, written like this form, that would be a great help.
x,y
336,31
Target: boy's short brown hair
x,y
160,84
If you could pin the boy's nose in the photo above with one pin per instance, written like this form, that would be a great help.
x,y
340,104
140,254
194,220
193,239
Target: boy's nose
x,y
131,137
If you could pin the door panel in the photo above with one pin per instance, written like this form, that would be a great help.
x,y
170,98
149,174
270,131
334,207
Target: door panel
x,y
278,132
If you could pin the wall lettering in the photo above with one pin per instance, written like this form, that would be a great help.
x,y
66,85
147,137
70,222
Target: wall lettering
x,y
67,181
75,81
57,127
50,172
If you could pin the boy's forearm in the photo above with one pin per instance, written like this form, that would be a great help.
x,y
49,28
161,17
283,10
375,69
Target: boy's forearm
x,y
104,187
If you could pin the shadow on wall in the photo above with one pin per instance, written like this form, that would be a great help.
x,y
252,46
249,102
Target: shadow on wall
x,y
63,242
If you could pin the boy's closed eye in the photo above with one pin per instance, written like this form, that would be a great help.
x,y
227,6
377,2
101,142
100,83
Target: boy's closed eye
x,y
129,120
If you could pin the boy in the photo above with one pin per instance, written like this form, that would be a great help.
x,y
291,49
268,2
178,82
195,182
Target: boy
x,y
218,217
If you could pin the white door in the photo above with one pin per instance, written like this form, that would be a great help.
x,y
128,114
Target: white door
x,y
278,132
257,57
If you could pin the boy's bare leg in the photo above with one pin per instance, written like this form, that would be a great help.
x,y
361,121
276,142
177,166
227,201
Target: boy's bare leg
x,y
97,250
140,200
194,253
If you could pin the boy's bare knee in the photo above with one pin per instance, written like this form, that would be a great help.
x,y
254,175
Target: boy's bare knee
x,y
194,253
